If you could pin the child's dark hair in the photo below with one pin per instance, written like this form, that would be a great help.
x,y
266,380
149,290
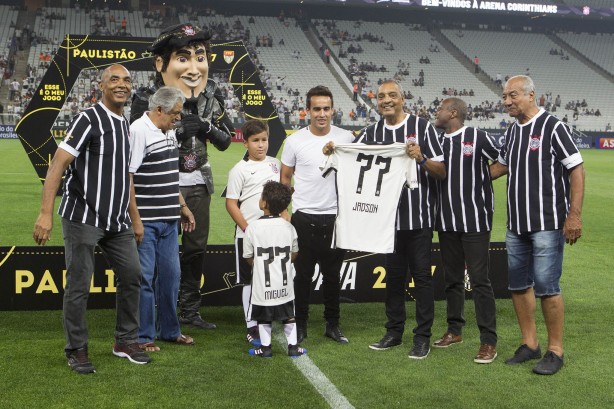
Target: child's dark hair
x,y
276,196
254,127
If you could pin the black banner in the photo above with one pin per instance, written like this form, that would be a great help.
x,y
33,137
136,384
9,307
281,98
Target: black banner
x,y
78,53
33,278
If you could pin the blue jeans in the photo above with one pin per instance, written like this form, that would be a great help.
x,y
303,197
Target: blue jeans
x,y
535,260
159,256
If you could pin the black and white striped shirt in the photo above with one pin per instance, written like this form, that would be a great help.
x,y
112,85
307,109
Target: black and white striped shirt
x,y
154,163
96,185
538,155
416,206
466,199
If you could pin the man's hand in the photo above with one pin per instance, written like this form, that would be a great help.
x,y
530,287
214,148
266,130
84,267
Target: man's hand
x,y
188,224
572,228
329,148
42,229
139,231
413,151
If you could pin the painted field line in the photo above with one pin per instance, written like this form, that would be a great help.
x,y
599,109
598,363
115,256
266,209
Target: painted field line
x,y
323,385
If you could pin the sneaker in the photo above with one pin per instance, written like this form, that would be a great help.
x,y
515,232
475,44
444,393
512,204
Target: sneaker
x,y
196,321
486,354
79,361
131,351
550,364
253,336
301,331
385,343
294,351
262,352
420,350
333,331
448,339
524,354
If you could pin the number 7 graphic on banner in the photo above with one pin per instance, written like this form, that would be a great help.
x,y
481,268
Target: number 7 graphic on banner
x,y
366,167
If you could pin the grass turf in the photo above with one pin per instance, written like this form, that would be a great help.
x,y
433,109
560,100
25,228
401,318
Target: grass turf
x,y
218,372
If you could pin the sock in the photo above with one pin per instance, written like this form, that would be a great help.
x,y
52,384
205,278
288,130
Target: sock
x,y
290,331
247,306
265,333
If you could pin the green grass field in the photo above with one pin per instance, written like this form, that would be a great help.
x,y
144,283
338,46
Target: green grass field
x,y
218,372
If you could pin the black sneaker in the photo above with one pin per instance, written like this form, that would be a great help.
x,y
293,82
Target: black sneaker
x,y
133,352
262,352
196,321
79,361
524,354
253,336
334,331
385,343
550,364
420,350
294,351
301,331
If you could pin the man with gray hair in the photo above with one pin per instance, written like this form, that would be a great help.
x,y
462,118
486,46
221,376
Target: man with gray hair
x,y
156,204
545,190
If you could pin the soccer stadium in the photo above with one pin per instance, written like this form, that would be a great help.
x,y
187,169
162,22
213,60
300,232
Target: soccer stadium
x,y
267,56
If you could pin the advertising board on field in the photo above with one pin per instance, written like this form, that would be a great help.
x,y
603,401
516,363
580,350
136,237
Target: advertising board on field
x,y
33,278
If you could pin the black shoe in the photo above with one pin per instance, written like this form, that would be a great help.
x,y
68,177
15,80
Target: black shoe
x,y
262,352
132,351
333,331
301,332
294,351
253,336
524,354
420,350
196,321
385,343
79,361
550,364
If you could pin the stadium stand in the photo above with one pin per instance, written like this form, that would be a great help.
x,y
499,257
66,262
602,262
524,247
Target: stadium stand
x,y
509,54
388,50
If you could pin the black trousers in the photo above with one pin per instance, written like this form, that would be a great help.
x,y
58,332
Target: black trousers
x,y
470,250
412,254
314,239
194,244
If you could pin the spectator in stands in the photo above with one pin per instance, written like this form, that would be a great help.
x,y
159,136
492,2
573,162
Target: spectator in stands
x,y
499,79
537,227
608,127
476,64
181,55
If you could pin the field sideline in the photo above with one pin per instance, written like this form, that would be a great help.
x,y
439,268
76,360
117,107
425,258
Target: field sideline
x,y
218,372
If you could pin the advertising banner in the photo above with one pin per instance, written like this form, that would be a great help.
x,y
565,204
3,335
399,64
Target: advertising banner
x,y
33,278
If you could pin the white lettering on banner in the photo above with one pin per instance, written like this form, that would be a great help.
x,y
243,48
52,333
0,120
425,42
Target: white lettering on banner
x,y
347,276
492,5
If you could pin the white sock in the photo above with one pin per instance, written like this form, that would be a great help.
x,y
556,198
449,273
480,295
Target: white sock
x,y
247,306
265,334
290,330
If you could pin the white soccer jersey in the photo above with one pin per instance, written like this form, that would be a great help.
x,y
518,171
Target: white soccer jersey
x,y
245,182
369,183
271,240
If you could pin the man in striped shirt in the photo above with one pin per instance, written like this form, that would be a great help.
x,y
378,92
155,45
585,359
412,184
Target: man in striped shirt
x,y
156,204
94,210
415,219
545,190
464,221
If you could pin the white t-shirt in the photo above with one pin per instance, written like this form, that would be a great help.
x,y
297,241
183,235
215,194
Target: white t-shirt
x,y
245,182
303,151
369,183
271,240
